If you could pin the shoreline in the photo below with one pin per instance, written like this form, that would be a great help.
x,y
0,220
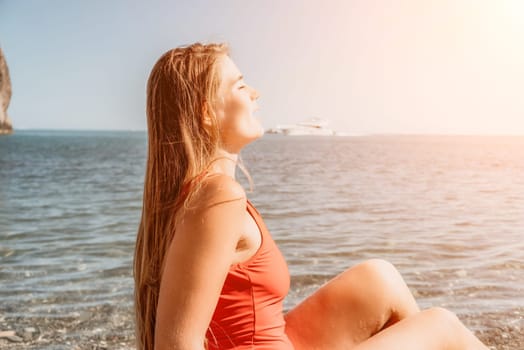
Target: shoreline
x,y
112,327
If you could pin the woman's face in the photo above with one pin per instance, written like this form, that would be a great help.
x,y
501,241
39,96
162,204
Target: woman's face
x,y
235,107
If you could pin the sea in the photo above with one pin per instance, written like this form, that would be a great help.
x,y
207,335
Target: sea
x,y
447,211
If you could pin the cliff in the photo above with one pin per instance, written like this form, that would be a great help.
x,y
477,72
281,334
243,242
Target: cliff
x,y
5,96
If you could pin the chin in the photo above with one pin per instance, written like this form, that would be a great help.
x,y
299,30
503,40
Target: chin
x,y
255,132
255,136
239,144
261,132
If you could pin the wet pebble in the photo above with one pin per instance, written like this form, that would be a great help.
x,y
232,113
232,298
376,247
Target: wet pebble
x,y
28,333
84,316
15,339
5,334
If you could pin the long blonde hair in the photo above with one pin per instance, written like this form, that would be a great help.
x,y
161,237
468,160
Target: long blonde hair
x,y
182,87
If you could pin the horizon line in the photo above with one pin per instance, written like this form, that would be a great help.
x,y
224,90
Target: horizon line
x,y
349,135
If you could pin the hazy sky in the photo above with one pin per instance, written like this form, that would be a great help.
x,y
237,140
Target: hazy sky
x,y
367,66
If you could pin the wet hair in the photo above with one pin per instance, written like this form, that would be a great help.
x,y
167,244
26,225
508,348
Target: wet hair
x,y
181,91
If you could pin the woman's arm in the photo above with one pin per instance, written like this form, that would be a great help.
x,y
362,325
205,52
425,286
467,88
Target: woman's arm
x,y
197,263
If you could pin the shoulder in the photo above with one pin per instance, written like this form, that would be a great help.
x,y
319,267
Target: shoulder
x,y
214,216
218,190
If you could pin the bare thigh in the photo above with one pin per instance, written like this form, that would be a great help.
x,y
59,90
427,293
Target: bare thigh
x,y
351,308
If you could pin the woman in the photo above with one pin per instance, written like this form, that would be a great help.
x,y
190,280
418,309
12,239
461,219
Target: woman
x,y
208,274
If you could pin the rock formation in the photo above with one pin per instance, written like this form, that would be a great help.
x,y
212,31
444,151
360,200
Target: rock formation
x,y
5,96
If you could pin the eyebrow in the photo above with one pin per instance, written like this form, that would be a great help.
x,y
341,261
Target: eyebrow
x,y
234,81
240,77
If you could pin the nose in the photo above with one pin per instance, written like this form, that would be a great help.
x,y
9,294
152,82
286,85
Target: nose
x,y
254,94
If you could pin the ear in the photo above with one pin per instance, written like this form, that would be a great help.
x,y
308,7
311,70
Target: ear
x,y
206,119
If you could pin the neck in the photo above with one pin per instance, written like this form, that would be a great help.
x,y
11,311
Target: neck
x,y
225,163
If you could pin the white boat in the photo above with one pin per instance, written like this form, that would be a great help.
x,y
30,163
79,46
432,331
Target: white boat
x,y
313,126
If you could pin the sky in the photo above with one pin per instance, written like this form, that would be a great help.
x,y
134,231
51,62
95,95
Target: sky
x,y
366,66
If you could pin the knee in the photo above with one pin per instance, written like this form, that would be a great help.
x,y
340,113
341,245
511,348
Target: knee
x,y
374,275
380,276
444,317
382,271
379,265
